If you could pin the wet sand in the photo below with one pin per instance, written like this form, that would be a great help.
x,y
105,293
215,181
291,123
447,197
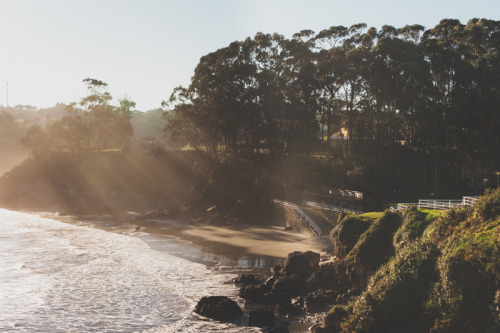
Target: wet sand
x,y
240,248
233,240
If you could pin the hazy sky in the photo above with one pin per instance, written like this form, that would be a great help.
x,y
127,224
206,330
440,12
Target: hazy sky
x,y
145,48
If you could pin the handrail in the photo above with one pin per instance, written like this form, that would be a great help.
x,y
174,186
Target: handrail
x,y
302,214
441,204
469,201
330,208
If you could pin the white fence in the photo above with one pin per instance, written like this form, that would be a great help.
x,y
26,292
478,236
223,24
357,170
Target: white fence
x,y
330,208
303,215
441,204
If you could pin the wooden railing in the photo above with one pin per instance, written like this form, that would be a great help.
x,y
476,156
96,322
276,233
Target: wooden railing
x,y
330,208
441,204
469,201
302,214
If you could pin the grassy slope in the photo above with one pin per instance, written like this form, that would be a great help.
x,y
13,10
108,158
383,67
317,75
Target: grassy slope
x,y
444,274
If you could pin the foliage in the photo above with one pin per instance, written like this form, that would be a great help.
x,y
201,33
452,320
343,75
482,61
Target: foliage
x,y
414,223
422,102
374,247
395,297
445,278
347,233
95,126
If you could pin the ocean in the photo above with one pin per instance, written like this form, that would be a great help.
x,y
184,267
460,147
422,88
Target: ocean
x,y
61,277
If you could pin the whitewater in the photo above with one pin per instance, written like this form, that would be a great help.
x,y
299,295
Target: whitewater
x,y
60,277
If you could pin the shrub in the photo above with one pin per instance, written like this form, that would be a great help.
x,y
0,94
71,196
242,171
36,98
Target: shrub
x,y
415,221
375,246
395,298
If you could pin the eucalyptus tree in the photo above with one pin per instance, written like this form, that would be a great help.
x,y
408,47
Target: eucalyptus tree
x,y
271,87
299,68
357,48
331,67
192,119
396,83
91,125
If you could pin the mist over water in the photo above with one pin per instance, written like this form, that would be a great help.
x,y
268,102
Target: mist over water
x,y
57,277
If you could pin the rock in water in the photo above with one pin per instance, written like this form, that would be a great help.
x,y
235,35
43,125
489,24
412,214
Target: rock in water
x,y
261,318
246,279
218,307
302,263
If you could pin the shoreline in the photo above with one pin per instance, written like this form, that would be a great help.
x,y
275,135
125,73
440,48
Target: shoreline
x,y
266,240
235,248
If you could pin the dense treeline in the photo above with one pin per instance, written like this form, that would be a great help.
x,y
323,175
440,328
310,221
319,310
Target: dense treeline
x,y
91,125
424,101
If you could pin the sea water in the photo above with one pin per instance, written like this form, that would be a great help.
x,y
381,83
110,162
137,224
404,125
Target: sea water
x,y
59,277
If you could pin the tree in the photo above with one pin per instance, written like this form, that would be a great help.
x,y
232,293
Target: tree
x,y
91,125
35,140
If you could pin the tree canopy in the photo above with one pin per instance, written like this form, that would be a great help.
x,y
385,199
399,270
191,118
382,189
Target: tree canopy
x,y
432,94
92,124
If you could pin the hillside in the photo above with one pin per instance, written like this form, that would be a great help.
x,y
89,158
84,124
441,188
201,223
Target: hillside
x,y
418,271
114,182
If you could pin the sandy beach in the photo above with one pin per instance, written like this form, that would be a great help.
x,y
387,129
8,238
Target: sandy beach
x,y
253,240
259,240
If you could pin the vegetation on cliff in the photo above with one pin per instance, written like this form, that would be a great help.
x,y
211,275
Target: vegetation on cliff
x,y
444,274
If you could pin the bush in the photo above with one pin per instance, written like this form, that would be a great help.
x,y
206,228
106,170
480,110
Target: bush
x,y
395,298
347,233
375,245
447,280
412,227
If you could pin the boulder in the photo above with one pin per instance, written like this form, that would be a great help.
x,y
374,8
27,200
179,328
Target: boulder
x,y
261,318
277,329
288,286
287,308
319,301
324,277
218,307
255,293
302,263
246,279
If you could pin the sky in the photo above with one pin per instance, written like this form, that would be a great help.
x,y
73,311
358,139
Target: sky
x,y
143,49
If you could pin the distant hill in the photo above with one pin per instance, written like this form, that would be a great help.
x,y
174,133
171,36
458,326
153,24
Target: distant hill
x,y
148,123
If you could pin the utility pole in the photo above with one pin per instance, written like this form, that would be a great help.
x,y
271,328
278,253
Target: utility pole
x,y
7,94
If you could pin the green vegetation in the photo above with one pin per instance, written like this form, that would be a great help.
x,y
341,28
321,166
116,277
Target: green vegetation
x,y
444,274
94,125
10,132
379,235
405,110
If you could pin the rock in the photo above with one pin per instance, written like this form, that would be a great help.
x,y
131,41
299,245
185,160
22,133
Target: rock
x,y
277,329
269,282
246,279
324,277
319,300
218,307
255,293
347,296
276,269
261,318
318,329
154,215
288,285
288,309
302,263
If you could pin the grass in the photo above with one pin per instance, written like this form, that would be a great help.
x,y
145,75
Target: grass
x,y
443,277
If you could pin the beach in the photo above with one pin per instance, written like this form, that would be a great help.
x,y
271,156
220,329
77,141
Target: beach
x,y
240,239
223,249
